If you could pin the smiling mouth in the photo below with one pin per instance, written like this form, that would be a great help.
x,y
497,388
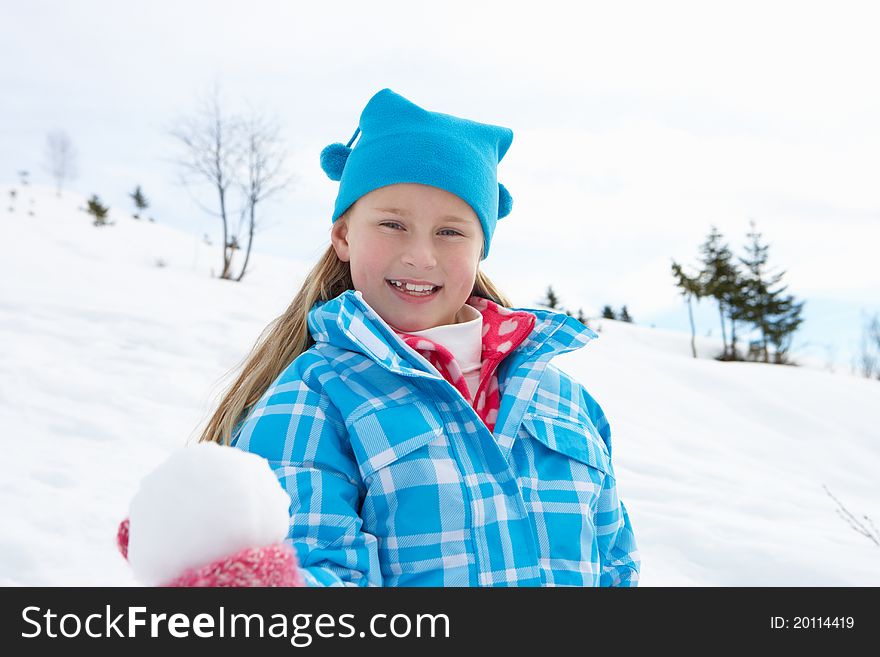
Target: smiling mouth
x,y
414,293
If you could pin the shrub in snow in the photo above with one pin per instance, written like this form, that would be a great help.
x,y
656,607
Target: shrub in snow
x,y
140,201
98,210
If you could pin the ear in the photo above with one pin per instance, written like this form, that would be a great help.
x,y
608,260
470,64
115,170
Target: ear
x,y
339,238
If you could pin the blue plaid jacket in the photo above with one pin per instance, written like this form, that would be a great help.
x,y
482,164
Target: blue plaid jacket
x,y
395,481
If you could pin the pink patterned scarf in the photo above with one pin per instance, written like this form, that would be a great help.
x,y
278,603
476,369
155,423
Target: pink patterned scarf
x,y
503,330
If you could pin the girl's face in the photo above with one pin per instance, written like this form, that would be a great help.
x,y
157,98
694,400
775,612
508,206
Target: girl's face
x,y
412,233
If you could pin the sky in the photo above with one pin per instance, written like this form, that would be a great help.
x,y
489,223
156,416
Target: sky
x,y
636,127
732,474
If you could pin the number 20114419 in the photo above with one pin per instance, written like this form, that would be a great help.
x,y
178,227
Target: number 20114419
x,y
812,622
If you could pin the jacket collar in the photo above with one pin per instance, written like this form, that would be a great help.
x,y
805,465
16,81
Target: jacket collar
x,y
348,322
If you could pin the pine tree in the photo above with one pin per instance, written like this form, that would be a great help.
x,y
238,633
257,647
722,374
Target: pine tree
x,y
608,313
718,277
735,305
98,211
761,302
624,315
550,299
781,327
691,288
140,201
581,318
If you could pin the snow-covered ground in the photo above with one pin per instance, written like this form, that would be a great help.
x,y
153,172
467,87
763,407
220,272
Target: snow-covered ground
x,y
110,361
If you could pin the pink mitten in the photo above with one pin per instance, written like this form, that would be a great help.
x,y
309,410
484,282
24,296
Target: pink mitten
x,y
273,565
176,535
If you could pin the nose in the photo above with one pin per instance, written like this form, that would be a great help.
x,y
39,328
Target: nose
x,y
419,254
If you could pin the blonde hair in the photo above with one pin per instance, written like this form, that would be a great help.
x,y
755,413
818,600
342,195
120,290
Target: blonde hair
x,y
287,336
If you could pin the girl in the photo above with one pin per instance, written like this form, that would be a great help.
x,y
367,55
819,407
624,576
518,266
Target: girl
x,y
410,413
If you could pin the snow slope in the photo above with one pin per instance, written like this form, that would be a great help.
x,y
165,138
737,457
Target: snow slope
x,y
109,362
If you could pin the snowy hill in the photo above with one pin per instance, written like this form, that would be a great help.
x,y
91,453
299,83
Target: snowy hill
x,y
111,361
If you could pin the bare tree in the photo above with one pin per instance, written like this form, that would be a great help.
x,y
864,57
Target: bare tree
x,y
242,159
867,528
60,158
874,336
264,174
868,357
212,147
691,288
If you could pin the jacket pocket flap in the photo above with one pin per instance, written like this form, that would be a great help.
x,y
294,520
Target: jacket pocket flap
x,y
381,437
579,441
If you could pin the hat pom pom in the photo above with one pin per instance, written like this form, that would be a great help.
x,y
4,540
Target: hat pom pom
x,y
505,201
333,159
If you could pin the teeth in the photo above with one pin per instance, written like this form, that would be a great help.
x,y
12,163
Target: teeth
x,y
414,288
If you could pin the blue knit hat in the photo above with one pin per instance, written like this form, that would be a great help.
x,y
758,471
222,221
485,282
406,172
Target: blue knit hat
x,y
402,143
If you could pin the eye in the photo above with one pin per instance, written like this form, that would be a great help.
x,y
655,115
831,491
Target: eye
x,y
445,230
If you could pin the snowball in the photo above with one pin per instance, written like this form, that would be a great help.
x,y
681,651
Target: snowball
x,y
207,501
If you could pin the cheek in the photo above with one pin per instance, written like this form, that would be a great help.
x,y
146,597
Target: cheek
x,y
464,270
368,267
